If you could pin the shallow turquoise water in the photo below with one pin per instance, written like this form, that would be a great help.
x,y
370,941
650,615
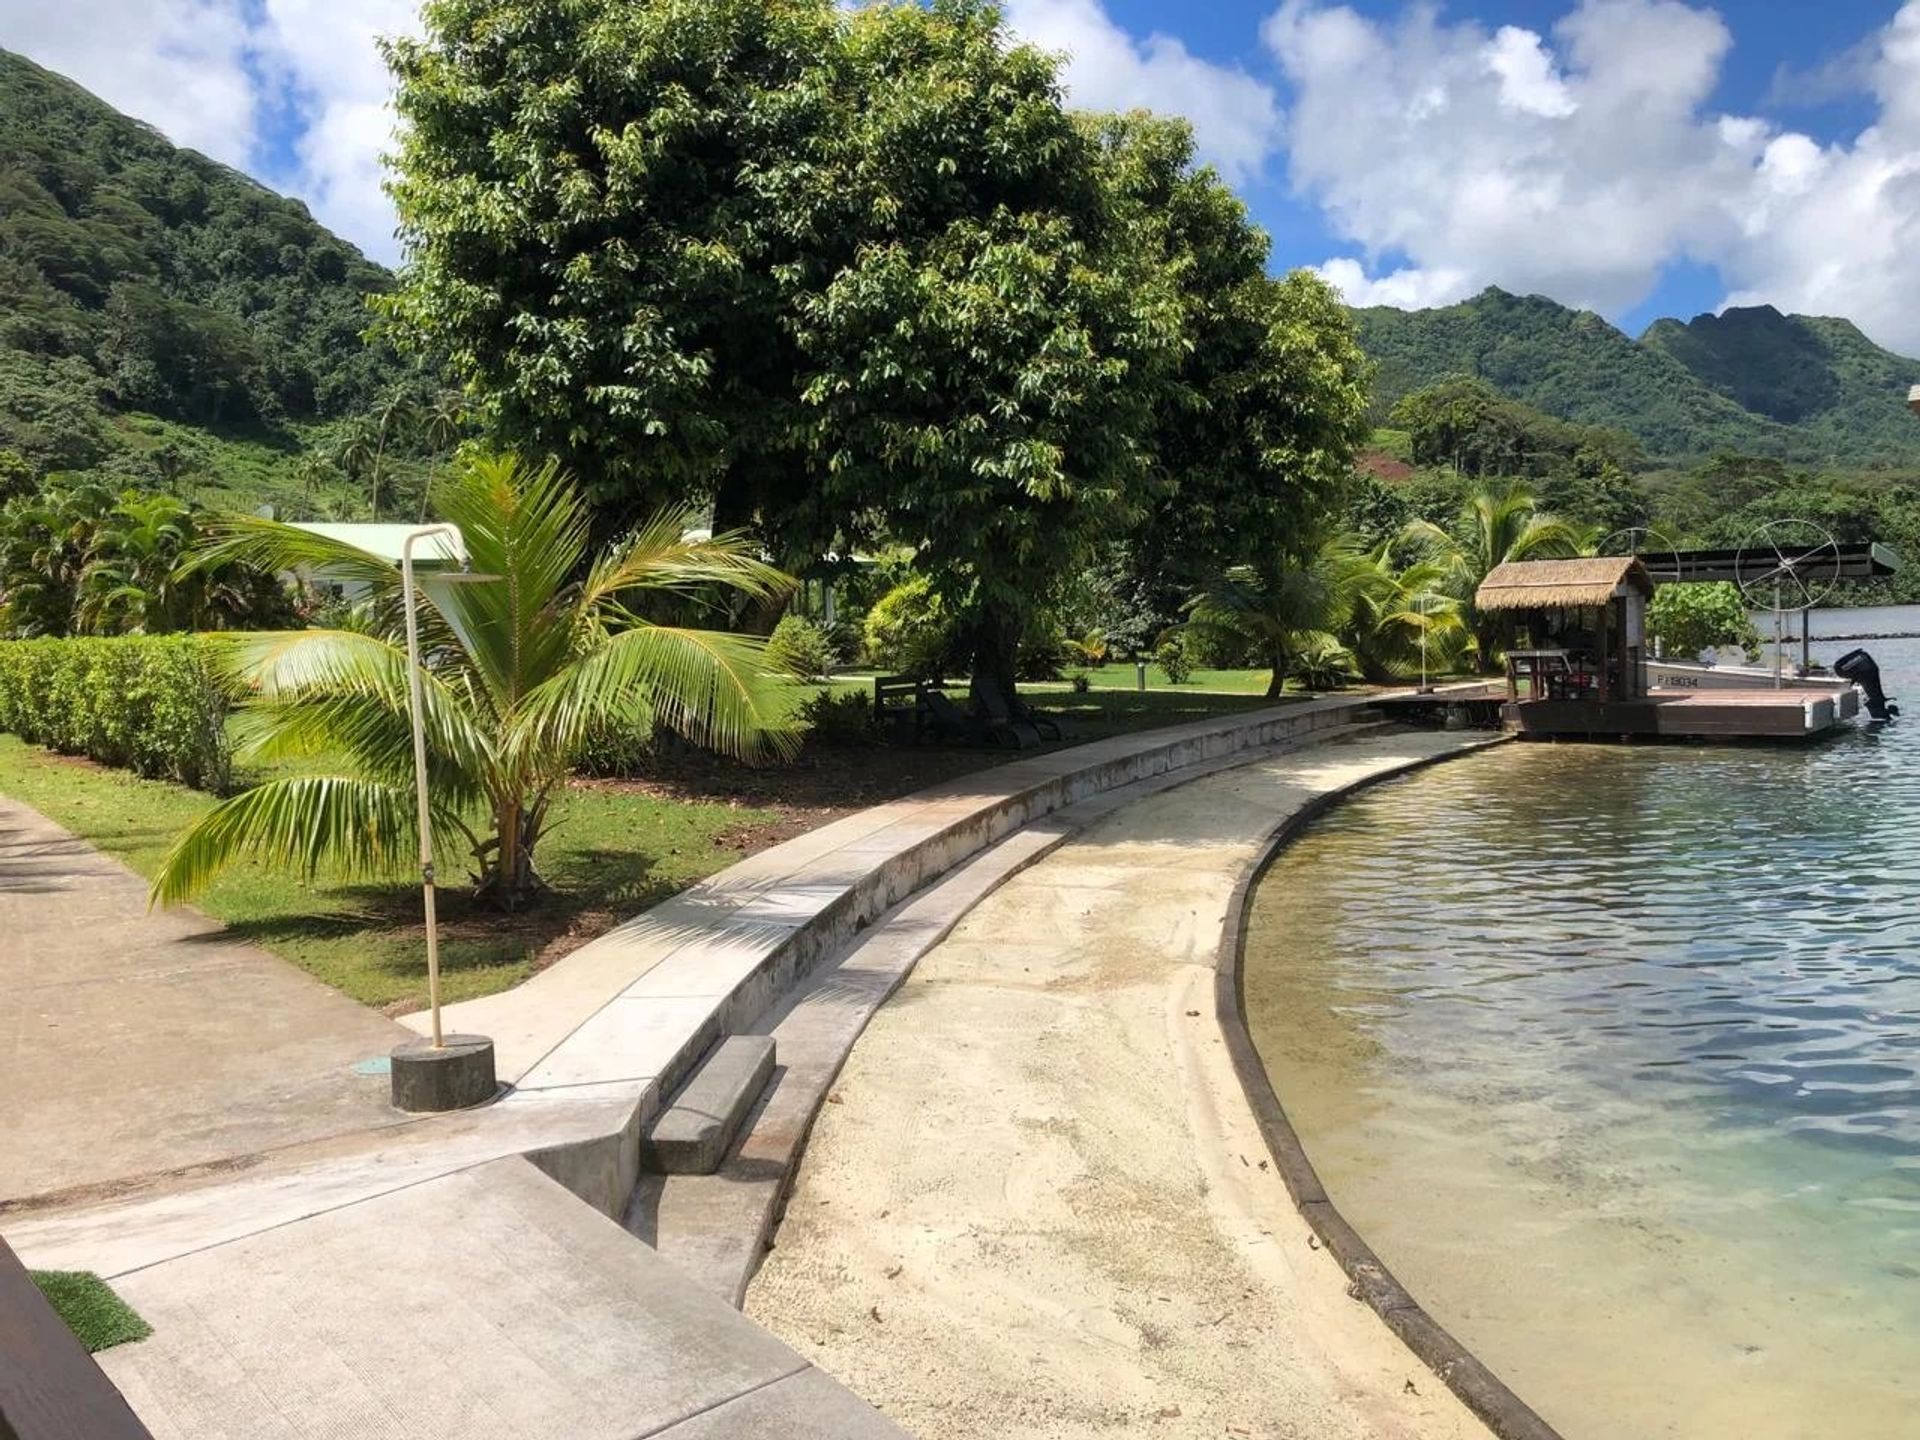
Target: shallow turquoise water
x,y
1614,1054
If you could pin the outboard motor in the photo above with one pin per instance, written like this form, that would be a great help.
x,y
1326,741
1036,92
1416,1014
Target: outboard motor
x,y
1858,667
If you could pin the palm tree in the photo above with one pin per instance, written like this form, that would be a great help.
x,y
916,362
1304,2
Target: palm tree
x,y
45,540
522,672
1497,523
396,411
440,425
129,584
1390,611
1279,610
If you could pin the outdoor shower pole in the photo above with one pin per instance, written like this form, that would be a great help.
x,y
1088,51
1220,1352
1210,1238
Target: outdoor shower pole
x,y
415,707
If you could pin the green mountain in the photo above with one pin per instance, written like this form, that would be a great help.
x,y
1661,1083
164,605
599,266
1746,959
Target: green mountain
x,y
1808,390
148,294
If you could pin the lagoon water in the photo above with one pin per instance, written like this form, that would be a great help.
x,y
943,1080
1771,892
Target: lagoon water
x,y
1614,1055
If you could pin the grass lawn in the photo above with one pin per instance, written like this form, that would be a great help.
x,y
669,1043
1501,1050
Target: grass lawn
x,y
616,847
611,854
1120,676
97,1316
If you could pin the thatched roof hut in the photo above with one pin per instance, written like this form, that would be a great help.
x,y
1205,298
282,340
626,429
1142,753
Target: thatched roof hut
x,y
1560,584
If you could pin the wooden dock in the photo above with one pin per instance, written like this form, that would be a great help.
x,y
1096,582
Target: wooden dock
x,y
1661,714
1769,714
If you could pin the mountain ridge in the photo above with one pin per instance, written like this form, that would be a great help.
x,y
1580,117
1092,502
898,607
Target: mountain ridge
x,y
1809,389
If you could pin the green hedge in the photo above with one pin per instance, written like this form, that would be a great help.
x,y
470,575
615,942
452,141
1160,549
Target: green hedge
x,y
146,703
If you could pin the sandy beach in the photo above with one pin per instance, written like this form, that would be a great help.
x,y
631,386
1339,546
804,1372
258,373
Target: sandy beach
x,y
1037,1204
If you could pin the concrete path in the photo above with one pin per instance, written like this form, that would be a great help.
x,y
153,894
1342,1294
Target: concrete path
x,y
134,1043
1041,1207
489,1304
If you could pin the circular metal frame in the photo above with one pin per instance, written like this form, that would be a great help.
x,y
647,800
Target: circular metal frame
x,y
1804,569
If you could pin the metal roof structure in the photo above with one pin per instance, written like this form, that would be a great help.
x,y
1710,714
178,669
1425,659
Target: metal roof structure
x,y
1853,560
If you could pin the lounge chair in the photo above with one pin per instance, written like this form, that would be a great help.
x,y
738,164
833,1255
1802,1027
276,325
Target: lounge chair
x,y
949,721
995,702
991,702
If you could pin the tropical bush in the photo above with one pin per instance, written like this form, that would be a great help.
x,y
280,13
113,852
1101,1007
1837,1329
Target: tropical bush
x,y
910,631
151,704
840,717
521,673
1172,658
1687,619
800,648
77,558
1324,664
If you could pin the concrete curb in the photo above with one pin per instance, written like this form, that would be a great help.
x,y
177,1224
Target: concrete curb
x,y
1504,1412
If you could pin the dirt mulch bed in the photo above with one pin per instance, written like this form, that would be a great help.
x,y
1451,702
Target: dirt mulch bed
x,y
823,785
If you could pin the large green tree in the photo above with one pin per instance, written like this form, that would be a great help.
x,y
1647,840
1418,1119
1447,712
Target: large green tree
x,y
855,274
606,207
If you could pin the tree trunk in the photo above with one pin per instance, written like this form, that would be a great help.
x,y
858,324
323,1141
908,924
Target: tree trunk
x,y
996,648
1278,660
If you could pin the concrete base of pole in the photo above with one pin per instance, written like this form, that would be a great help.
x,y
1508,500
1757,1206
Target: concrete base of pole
x,y
454,1076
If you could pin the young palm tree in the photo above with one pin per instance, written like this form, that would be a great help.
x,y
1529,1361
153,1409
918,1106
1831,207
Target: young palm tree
x,y
129,585
1497,523
1390,611
521,672
1280,610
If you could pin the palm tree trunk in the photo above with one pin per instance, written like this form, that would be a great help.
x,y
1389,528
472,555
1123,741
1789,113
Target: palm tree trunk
x,y
1278,660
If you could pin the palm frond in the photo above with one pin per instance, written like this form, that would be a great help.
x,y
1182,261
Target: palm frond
x,y
299,681
714,688
344,827
272,546
526,525
663,555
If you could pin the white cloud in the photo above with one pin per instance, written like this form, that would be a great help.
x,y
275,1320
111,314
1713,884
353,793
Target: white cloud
x,y
1528,81
326,52
1495,158
180,65
1582,163
215,75
1408,288
1236,118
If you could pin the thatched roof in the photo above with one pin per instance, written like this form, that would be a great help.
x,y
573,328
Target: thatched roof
x,y
1558,584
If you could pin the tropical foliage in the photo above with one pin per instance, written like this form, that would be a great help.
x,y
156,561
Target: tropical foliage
x,y
1687,619
1343,611
1494,525
523,671
79,559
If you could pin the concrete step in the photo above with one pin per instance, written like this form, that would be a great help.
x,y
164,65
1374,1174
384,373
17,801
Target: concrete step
x,y
692,1134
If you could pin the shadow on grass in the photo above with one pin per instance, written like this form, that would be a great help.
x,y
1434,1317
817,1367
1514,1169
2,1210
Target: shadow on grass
x,y
591,890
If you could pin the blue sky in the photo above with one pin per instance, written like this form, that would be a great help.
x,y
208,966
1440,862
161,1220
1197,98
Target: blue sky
x,y
1638,157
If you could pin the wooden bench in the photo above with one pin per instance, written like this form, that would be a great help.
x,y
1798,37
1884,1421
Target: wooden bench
x,y
900,705
50,1387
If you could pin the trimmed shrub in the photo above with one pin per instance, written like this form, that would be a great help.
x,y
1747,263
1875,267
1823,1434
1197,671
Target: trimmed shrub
x,y
152,704
1172,658
800,648
909,631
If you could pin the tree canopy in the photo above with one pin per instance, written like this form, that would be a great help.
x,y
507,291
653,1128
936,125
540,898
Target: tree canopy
x,y
853,275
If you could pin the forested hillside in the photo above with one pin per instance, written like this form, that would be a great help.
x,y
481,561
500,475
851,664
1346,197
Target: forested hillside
x,y
139,278
1756,382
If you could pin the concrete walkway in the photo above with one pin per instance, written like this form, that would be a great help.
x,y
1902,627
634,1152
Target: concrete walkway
x,y
328,1286
136,1043
1041,1207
